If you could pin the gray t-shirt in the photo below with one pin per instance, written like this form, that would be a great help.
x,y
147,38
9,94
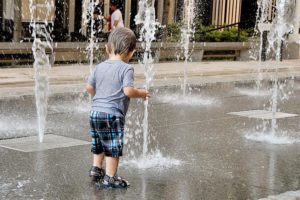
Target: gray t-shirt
x,y
109,78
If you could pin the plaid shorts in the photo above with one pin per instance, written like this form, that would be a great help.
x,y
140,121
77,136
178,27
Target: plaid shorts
x,y
107,133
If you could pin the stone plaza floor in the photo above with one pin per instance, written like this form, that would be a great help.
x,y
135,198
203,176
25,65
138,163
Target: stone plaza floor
x,y
209,144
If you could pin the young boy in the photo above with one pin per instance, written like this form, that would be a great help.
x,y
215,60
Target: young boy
x,y
111,85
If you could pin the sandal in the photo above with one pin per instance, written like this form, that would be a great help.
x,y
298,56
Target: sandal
x,y
96,173
115,182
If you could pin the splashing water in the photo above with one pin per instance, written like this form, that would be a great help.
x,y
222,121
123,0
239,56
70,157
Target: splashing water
x,y
146,18
90,48
290,195
271,138
187,32
281,27
88,16
262,26
258,92
190,100
274,20
42,41
26,127
154,160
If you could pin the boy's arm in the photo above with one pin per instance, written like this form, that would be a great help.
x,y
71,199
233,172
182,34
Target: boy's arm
x,y
135,93
90,89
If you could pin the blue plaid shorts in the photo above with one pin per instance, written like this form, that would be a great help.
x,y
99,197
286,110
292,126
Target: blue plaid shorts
x,y
107,132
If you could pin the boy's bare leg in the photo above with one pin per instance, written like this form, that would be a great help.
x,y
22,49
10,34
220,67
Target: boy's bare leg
x,y
98,160
112,164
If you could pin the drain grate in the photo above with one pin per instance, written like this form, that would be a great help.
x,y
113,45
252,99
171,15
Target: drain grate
x,y
32,144
262,114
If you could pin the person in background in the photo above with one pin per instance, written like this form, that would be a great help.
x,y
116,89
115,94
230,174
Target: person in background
x,y
116,16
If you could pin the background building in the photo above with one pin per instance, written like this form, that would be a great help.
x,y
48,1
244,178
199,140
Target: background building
x,y
68,16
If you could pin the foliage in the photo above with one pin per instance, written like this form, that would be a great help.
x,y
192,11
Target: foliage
x,y
225,35
173,32
209,33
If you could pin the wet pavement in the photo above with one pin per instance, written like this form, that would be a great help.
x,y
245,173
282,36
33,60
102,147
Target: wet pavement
x,y
196,149
20,81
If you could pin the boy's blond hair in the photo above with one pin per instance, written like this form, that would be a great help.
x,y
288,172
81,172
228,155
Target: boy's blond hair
x,y
121,41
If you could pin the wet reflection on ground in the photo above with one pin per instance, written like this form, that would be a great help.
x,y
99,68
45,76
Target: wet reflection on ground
x,y
197,150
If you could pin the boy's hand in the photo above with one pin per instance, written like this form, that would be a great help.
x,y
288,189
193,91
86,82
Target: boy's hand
x,y
90,89
144,93
132,92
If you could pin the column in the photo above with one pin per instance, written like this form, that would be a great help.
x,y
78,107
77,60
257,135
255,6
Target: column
x,y
1,15
239,10
71,23
295,37
84,20
214,13
217,12
106,7
160,10
165,13
293,49
127,13
231,12
17,21
223,12
228,14
171,11
9,9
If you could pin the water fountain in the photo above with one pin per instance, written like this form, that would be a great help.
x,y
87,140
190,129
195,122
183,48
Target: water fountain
x,y
263,26
275,31
187,32
148,26
258,51
146,18
186,38
88,18
281,28
41,32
